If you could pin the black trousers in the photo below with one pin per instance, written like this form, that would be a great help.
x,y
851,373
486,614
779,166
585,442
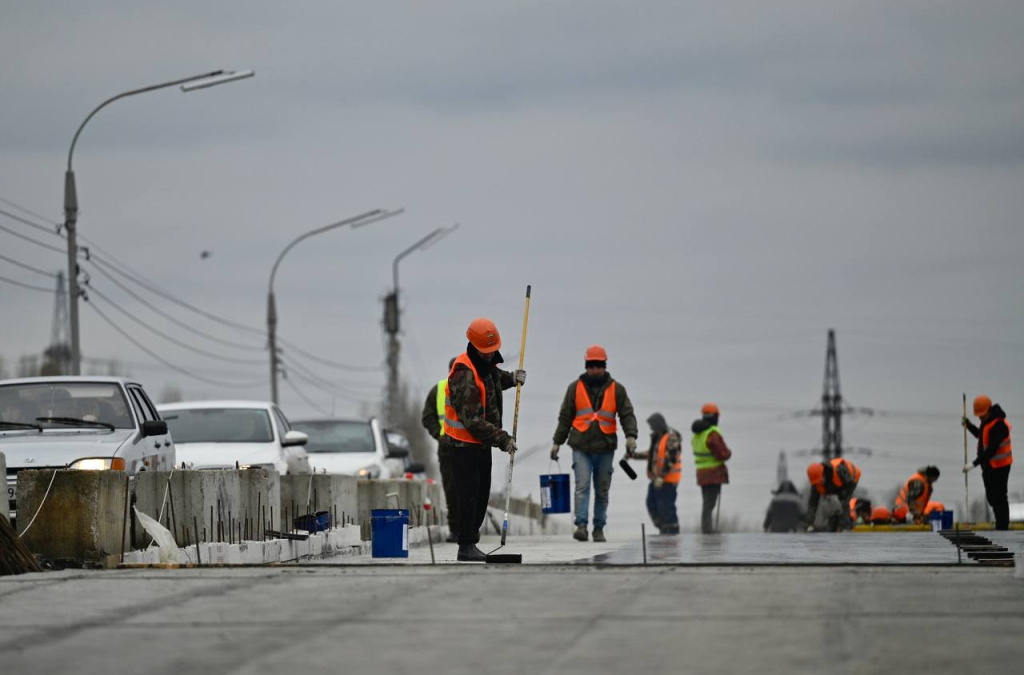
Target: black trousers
x,y
472,465
996,481
710,494
444,459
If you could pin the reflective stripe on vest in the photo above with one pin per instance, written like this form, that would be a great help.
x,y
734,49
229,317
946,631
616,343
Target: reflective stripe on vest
x,y
675,471
919,504
442,393
585,415
1004,453
452,426
702,457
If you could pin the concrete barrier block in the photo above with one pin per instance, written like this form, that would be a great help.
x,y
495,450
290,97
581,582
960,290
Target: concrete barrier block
x,y
211,499
260,489
82,517
334,493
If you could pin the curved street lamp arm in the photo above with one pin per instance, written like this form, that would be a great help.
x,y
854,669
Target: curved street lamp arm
x,y
133,92
403,254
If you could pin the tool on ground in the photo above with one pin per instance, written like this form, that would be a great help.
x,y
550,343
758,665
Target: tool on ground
x,y
512,557
627,469
718,512
967,503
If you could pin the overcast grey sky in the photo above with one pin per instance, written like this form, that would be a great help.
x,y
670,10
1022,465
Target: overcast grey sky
x,y
703,188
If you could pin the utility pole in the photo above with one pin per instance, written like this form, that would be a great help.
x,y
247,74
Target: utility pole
x,y
58,353
392,320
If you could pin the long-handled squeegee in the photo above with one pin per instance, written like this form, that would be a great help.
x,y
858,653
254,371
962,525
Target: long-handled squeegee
x,y
493,557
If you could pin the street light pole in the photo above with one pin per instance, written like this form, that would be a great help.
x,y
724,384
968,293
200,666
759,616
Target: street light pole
x,y
71,194
362,219
392,313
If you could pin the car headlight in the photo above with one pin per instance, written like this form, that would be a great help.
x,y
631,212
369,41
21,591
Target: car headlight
x,y
372,471
98,464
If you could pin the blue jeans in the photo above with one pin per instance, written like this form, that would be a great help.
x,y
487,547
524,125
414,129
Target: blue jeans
x,y
597,467
661,506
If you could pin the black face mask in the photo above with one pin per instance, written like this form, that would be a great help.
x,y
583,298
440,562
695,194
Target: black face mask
x,y
595,380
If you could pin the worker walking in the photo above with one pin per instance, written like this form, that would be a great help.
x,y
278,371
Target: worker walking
x,y
995,455
832,485
786,510
587,421
914,495
433,421
709,457
664,469
472,423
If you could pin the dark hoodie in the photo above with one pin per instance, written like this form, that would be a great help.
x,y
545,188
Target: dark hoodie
x,y
716,444
465,397
996,436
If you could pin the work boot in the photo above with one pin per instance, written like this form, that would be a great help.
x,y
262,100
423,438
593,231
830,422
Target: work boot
x,y
470,553
599,534
581,533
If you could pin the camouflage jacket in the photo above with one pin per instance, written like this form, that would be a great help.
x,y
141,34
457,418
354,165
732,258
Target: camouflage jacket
x,y
594,440
465,398
673,449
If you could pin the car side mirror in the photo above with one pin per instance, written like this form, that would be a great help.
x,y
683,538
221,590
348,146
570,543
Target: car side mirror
x,y
154,428
397,452
294,437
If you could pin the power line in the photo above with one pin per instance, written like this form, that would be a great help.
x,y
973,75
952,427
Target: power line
x,y
310,403
19,235
171,339
179,369
172,319
136,365
24,221
326,385
28,211
24,285
28,267
327,362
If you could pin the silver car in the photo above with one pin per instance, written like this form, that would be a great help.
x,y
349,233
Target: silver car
x,y
80,422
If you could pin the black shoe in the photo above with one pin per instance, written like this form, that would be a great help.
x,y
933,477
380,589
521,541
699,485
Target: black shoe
x,y
599,534
581,533
470,553
452,538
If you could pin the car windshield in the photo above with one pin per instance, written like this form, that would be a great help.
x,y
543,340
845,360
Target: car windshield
x,y
97,404
337,436
219,425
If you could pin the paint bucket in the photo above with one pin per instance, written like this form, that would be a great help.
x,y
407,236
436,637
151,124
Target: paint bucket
x,y
935,518
947,520
389,533
554,492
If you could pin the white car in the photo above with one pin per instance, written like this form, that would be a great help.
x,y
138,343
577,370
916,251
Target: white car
x,y
352,447
80,422
221,434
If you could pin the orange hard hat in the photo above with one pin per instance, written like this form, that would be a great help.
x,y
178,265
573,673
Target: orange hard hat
x,y
483,335
709,409
899,514
595,353
880,514
981,405
815,472
934,506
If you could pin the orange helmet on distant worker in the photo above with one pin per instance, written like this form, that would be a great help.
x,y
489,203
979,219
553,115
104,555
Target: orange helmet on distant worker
x,y
981,405
899,514
709,409
880,515
483,335
595,353
815,472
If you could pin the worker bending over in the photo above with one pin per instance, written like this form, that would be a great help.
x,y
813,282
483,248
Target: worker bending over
x,y
914,495
832,485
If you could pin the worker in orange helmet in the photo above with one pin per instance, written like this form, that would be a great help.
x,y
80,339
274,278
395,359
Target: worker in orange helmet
x,y
710,454
881,516
587,421
472,423
995,455
834,480
914,495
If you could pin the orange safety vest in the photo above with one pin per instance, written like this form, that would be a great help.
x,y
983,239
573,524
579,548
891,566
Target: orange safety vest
x,y
675,471
1004,453
916,507
851,468
453,428
586,415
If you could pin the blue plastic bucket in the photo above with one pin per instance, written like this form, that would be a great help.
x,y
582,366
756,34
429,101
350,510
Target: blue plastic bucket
x,y
947,520
935,518
389,533
312,523
554,492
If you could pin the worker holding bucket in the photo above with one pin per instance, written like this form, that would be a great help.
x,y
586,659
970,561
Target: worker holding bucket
x,y
587,421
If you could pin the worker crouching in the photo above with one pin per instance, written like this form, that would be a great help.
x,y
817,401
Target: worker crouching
x,y
913,497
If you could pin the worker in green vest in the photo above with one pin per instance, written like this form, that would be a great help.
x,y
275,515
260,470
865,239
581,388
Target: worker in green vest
x,y
709,457
432,418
